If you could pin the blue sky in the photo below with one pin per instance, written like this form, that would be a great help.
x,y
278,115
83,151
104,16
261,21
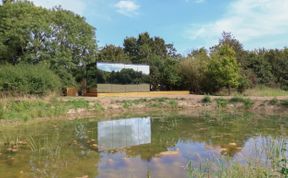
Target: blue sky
x,y
188,24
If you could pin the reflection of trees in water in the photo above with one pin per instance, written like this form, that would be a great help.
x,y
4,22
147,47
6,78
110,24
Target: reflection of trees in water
x,y
227,136
125,76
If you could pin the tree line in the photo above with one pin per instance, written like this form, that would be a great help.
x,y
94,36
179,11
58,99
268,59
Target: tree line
x,y
64,43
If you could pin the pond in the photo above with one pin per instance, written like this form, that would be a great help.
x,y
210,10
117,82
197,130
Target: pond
x,y
156,145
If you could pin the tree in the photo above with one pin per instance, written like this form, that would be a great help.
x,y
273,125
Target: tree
x,y
59,38
162,58
223,69
229,40
194,69
111,53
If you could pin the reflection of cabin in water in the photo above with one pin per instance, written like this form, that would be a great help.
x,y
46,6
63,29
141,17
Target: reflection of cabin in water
x,y
119,78
124,133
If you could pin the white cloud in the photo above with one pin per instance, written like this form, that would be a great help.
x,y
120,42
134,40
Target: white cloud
x,y
127,7
248,20
77,6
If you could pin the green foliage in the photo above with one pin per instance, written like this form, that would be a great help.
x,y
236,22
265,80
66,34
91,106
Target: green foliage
x,y
27,79
223,69
284,161
221,102
79,103
194,69
162,58
111,53
126,76
284,103
58,38
206,99
274,101
247,103
26,109
265,91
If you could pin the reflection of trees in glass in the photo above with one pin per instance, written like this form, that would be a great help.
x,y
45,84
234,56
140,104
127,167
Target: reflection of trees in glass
x,y
125,76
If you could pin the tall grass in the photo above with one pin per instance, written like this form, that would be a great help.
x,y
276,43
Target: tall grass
x,y
265,91
26,109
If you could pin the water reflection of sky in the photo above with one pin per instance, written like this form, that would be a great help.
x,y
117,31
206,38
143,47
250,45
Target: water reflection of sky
x,y
124,133
116,67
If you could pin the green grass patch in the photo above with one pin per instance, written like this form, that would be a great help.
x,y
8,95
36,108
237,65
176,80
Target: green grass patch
x,y
265,91
26,109
78,103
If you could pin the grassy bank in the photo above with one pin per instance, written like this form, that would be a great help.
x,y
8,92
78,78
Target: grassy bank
x,y
265,91
30,108
17,109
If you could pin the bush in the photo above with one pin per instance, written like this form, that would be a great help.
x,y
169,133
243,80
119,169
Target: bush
x,y
206,99
284,103
27,79
248,103
221,102
274,101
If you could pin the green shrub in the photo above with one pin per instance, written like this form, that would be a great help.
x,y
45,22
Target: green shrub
x,y
221,102
284,103
237,99
27,79
206,99
248,103
274,101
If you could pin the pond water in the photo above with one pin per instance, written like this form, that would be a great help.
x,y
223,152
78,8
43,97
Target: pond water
x,y
154,145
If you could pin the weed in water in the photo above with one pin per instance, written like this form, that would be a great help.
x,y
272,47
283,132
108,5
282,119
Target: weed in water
x,y
284,161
